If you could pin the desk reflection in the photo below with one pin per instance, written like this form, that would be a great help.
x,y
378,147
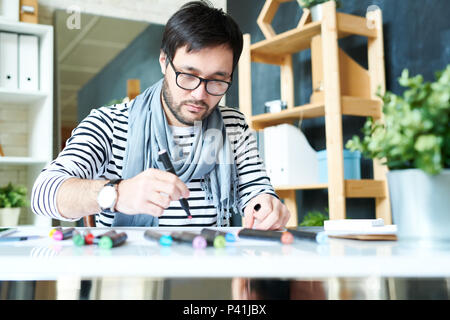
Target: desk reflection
x,y
273,289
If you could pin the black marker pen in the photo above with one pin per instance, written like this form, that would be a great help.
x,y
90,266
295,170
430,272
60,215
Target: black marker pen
x,y
198,242
229,237
285,237
164,158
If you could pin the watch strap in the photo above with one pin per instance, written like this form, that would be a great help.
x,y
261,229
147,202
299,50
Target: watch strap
x,y
112,183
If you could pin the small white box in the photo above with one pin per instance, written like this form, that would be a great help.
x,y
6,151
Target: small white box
x,y
288,157
9,10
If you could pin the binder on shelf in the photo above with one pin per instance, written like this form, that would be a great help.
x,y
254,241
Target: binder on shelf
x,y
291,160
28,62
8,60
9,10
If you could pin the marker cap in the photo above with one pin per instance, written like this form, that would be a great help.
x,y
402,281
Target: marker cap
x,y
199,242
53,231
219,242
229,237
105,242
287,238
57,235
78,240
89,238
165,240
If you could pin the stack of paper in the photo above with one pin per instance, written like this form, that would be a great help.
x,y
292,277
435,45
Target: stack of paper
x,y
360,229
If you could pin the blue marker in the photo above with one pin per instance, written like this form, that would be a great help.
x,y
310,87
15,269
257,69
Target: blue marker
x,y
164,240
319,236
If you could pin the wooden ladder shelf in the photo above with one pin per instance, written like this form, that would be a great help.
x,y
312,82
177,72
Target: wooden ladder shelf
x,y
340,87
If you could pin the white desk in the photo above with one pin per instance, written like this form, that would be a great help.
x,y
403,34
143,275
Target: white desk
x,y
47,259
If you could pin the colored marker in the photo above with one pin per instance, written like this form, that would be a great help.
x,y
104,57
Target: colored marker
x,y
82,238
164,158
318,236
107,242
18,238
198,242
229,237
217,240
53,231
164,240
89,238
110,233
63,234
78,239
285,237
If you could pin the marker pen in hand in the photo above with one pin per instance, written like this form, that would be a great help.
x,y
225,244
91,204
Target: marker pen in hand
x,y
164,158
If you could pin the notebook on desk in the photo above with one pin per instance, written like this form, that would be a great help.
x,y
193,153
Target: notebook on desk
x,y
377,233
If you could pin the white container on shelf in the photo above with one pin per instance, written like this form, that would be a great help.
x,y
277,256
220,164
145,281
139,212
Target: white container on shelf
x,y
9,10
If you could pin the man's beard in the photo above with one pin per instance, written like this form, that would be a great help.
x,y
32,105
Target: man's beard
x,y
175,109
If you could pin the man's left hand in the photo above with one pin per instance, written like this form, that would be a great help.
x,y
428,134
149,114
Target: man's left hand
x,y
272,214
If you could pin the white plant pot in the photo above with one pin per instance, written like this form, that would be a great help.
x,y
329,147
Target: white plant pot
x,y
9,217
317,12
420,206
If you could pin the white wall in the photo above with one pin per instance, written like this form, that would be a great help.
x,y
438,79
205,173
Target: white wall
x,y
154,11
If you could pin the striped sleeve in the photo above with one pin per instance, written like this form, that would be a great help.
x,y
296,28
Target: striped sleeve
x,y
253,179
86,153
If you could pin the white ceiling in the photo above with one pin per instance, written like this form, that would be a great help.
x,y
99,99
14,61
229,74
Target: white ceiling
x,y
82,53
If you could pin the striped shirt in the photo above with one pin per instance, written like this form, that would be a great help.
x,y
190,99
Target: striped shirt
x,y
96,150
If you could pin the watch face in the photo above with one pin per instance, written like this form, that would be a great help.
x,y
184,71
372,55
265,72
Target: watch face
x,y
107,197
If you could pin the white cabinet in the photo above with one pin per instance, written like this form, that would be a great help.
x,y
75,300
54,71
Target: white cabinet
x,y
26,116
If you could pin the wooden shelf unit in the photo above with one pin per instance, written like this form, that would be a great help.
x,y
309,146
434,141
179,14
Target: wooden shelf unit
x,y
340,87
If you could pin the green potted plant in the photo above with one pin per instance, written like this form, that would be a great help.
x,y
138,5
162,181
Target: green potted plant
x,y
316,8
314,219
413,141
12,198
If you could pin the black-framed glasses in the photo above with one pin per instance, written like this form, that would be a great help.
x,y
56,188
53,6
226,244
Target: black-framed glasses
x,y
189,81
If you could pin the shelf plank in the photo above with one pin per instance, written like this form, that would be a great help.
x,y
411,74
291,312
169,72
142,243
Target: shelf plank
x,y
288,42
364,188
352,106
354,25
20,96
301,187
307,111
299,39
20,160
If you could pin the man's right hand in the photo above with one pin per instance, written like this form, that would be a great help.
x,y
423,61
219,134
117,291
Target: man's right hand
x,y
150,192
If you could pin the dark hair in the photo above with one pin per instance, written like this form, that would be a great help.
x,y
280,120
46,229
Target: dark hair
x,y
199,25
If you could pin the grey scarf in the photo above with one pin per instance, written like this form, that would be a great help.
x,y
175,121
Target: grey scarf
x,y
211,158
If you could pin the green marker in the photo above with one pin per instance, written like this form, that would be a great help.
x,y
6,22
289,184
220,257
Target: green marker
x,y
78,239
112,241
219,242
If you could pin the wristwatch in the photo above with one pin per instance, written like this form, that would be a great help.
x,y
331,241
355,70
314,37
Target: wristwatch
x,y
107,197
